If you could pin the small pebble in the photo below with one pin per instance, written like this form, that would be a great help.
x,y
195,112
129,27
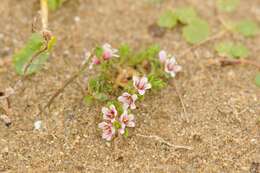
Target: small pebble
x,y
38,125
76,18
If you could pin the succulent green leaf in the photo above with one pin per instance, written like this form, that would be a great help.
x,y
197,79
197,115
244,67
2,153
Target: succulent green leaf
x,y
247,28
257,80
167,20
227,5
186,14
232,50
197,31
23,57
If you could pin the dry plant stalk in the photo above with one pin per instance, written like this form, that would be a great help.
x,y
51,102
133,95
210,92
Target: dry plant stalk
x,y
44,14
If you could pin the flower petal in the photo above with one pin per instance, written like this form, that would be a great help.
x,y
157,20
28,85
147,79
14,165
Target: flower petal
x,y
105,110
102,125
162,56
148,86
141,92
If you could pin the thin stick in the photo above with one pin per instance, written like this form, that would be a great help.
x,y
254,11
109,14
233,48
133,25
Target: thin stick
x,y
226,62
62,88
160,139
44,14
181,100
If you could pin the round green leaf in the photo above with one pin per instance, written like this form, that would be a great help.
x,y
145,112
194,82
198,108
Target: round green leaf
x,y
196,31
247,28
239,51
257,80
224,48
186,14
167,20
232,50
227,5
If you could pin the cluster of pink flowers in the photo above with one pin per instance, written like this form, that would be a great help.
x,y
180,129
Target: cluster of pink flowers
x,y
112,123
117,123
170,64
107,54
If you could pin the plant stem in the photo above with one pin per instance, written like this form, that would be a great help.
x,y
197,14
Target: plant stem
x,y
44,14
62,88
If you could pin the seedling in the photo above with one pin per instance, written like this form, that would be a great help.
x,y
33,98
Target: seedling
x,y
195,29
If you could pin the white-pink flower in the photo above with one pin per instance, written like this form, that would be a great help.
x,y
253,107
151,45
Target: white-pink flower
x,y
162,56
171,66
94,61
141,84
109,113
126,120
109,52
128,100
108,130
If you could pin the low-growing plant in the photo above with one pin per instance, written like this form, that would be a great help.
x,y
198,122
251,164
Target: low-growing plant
x,y
130,75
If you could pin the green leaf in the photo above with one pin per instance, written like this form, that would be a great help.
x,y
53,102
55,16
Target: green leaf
x,y
51,43
186,14
257,80
240,51
196,31
167,20
224,48
156,82
23,57
124,50
100,96
147,54
99,51
126,134
232,50
247,28
227,5
117,125
54,4
89,99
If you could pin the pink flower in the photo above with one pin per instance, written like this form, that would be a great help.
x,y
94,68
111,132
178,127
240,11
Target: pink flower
x,y
162,56
128,100
95,61
108,130
109,52
109,113
141,84
172,67
126,120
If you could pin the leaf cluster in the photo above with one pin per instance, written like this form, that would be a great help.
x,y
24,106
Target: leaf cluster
x,y
195,29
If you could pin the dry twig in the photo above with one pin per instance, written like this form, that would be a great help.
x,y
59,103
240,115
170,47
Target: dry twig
x,y
62,88
160,139
181,100
227,62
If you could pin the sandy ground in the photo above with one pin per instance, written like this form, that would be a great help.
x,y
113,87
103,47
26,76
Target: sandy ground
x,y
222,104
